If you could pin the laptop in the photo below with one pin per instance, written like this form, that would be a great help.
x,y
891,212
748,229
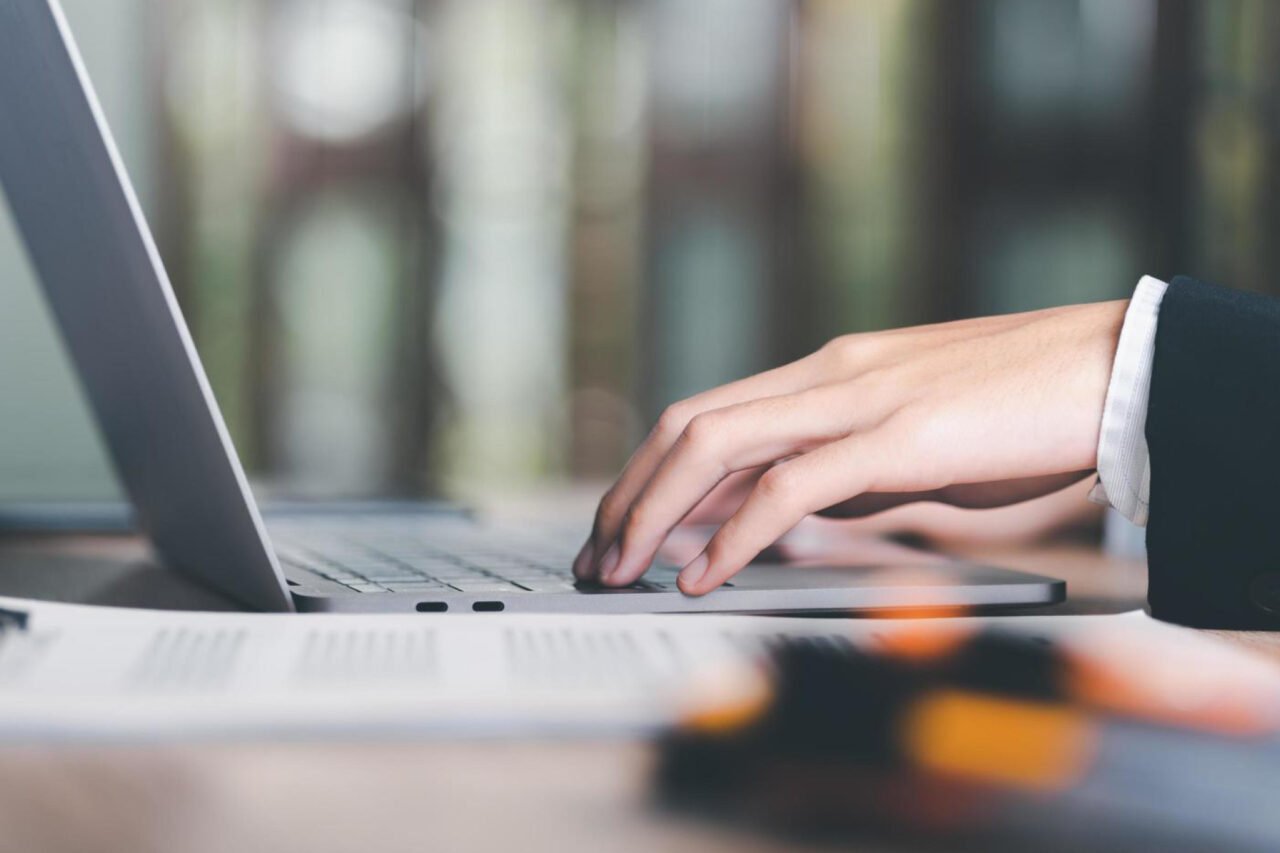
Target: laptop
x,y
108,291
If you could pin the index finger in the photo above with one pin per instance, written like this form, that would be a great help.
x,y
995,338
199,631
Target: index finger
x,y
788,492
790,378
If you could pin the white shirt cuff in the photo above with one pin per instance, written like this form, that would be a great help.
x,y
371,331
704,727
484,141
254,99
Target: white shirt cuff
x,y
1124,466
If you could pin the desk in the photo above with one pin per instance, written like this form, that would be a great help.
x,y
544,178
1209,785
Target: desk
x,y
423,795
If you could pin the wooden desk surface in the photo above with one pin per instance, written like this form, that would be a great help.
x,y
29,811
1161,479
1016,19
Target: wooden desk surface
x,y
421,795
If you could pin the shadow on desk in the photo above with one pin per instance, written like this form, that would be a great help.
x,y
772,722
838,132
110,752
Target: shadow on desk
x,y
106,570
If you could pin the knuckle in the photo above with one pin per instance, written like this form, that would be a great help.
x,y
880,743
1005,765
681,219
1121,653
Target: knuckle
x,y
778,485
915,426
847,352
700,433
838,350
673,420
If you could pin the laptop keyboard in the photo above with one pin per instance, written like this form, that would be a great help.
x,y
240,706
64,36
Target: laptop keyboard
x,y
477,560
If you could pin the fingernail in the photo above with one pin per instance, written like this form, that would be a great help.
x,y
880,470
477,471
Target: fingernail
x,y
692,573
610,562
582,562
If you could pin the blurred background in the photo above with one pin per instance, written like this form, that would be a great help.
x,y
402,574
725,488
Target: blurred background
x,y
445,245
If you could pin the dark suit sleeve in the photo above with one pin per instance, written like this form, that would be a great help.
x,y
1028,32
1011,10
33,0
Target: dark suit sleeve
x,y
1213,431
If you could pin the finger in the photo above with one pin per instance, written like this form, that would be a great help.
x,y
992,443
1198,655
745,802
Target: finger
x,y
725,498
788,492
721,503
718,443
790,378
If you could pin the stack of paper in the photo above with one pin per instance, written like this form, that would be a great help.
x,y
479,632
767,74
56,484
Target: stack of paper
x,y
76,671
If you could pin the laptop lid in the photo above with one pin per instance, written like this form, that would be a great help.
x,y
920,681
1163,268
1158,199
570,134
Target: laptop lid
x,y
95,257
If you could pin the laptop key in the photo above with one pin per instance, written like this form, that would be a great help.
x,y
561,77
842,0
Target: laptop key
x,y
418,586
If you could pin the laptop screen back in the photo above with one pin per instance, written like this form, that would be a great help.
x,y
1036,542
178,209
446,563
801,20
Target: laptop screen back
x,y
108,291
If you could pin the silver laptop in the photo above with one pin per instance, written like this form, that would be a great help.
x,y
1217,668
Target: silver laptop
x,y
94,254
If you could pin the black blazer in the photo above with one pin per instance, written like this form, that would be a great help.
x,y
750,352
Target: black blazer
x,y
1213,430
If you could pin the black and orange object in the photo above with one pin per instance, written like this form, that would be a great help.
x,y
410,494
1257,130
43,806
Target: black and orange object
x,y
989,739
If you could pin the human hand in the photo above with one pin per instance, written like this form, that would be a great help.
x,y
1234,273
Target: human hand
x,y
977,413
